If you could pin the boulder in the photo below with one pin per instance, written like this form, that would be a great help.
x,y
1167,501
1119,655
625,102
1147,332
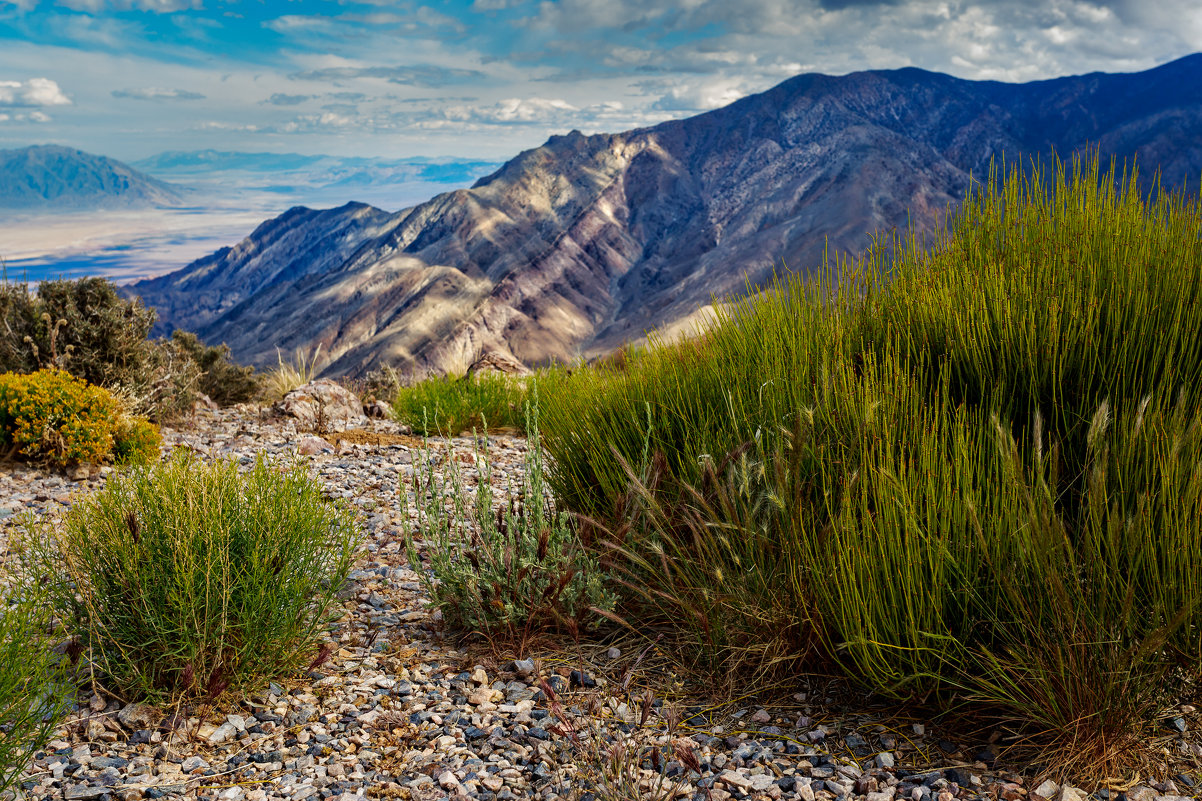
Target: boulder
x,y
321,406
495,362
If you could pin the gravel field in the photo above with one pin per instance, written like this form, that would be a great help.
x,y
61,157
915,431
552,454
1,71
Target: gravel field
x,y
402,710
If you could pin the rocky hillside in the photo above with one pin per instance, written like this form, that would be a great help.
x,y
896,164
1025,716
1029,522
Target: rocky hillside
x,y
51,177
588,241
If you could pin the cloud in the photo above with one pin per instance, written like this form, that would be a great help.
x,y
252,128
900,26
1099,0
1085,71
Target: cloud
x,y
157,6
701,96
425,75
281,99
155,93
32,93
31,116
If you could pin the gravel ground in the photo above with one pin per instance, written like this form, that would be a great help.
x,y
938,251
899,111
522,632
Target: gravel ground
x,y
400,711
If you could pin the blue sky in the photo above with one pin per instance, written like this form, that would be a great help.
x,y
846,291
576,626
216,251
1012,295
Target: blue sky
x,y
486,78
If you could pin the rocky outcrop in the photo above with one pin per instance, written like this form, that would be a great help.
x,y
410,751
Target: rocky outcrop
x,y
577,246
322,406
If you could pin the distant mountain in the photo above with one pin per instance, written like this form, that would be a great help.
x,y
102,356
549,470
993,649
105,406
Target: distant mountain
x,y
323,171
51,177
588,241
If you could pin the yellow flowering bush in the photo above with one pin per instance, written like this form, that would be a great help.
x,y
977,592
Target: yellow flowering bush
x,y
52,415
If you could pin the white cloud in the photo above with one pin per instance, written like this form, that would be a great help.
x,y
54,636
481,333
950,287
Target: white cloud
x,y
32,93
157,93
158,6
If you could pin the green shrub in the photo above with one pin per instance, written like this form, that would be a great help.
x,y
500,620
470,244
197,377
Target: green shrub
x,y
52,415
969,470
508,572
225,382
137,441
87,328
450,405
34,689
187,579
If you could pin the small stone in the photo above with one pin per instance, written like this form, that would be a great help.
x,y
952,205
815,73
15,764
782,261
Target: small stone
x,y
524,667
223,733
613,653
761,716
479,676
1070,793
885,760
1047,790
447,780
138,716
193,763
733,779
805,791
312,446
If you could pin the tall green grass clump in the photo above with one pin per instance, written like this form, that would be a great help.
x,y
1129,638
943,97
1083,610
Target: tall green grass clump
x,y
34,686
969,466
449,405
188,579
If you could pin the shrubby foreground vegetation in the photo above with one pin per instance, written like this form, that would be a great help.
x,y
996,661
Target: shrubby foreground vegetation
x,y
971,472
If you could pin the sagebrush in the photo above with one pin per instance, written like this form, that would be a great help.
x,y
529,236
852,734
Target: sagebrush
x,y
188,579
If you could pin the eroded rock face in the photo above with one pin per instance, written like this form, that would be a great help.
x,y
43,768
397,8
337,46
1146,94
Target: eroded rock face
x,y
573,248
323,405
493,362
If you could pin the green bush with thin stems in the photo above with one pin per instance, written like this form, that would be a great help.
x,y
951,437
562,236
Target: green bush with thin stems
x,y
449,405
508,569
35,688
970,469
187,579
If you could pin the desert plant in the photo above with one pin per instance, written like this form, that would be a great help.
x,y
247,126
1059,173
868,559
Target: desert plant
x,y
88,329
290,375
223,381
507,572
52,415
974,470
34,686
186,579
449,405
136,441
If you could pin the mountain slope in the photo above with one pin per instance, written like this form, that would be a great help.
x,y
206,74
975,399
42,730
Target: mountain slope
x,y
576,246
51,177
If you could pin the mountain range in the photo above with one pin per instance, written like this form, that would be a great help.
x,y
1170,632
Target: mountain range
x,y
586,242
54,178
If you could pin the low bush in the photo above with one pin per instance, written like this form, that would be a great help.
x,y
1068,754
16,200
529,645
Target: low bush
x,y
87,328
187,579
223,381
54,416
34,687
136,441
449,405
967,471
509,572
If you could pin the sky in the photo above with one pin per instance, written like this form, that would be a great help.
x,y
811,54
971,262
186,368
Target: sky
x,y
487,78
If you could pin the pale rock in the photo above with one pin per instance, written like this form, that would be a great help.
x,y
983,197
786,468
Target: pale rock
x,y
1047,789
323,405
312,446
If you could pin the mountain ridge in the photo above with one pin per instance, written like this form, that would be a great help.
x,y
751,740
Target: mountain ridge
x,y
586,242
54,177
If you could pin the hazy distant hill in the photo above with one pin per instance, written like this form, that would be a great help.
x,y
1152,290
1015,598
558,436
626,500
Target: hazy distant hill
x,y
587,241
51,177
286,171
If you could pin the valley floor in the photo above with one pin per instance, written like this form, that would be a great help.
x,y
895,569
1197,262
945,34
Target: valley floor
x,y
403,710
